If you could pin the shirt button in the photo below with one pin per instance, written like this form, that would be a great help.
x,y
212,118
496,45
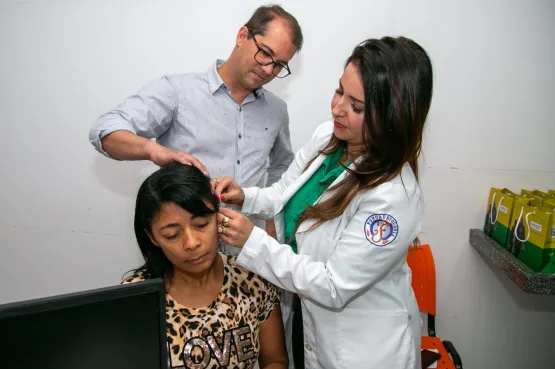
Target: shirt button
x,y
240,136
308,348
238,161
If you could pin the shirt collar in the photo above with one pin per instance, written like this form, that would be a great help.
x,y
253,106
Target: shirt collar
x,y
215,81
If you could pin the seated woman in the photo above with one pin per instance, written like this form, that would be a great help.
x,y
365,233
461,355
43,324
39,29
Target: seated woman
x,y
218,314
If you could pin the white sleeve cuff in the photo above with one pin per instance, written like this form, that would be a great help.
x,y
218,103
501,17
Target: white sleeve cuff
x,y
250,195
251,249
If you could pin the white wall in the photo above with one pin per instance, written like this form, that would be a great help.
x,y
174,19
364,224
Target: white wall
x,y
66,221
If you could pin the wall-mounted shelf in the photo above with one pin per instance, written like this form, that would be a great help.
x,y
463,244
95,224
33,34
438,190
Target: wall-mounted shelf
x,y
524,277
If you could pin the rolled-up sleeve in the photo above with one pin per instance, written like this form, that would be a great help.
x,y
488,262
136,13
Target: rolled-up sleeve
x,y
148,113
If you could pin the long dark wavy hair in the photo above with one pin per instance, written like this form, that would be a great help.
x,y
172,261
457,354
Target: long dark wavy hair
x,y
397,79
183,185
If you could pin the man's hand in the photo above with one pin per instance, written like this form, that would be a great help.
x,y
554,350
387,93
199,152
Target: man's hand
x,y
125,145
163,156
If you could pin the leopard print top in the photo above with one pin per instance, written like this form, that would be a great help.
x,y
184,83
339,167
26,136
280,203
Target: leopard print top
x,y
225,333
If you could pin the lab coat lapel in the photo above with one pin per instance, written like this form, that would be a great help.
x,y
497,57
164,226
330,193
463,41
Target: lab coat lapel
x,y
299,182
306,225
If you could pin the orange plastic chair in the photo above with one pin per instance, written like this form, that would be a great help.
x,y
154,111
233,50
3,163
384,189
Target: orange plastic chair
x,y
421,262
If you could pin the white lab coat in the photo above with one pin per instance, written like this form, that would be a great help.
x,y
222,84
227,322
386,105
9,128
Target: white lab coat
x,y
359,309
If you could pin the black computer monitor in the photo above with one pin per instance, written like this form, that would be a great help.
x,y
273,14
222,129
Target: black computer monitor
x,y
121,327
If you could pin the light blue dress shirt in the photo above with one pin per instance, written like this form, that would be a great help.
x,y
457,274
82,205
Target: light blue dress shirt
x,y
195,113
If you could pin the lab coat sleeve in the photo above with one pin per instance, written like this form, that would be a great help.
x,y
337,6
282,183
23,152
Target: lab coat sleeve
x,y
356,263
266,202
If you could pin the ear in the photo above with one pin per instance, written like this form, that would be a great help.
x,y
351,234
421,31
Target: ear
x,y
242,36
152,239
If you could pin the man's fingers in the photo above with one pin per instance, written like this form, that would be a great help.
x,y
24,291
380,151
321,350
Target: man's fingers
x,y
199,165
187,159
180,158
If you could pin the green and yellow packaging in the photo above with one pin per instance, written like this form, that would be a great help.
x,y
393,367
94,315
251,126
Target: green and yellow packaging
x,y
549,205
499,213
550,267
530,238
542,196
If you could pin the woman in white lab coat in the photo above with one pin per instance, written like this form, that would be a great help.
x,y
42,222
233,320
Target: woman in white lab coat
x,y
346,212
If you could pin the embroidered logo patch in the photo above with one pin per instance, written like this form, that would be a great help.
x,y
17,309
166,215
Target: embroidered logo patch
x,y
381,229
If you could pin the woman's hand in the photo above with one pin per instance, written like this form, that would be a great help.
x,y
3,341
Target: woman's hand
x,y
228,190
234,228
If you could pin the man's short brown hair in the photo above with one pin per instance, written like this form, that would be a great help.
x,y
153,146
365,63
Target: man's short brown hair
x,y
258,23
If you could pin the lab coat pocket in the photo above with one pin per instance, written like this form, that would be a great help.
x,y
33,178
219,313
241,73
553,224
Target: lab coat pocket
x,y
375,339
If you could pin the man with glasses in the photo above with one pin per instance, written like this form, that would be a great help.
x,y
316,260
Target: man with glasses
x,y
222,121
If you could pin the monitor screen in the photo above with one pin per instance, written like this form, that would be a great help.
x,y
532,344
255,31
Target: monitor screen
x,y
119,327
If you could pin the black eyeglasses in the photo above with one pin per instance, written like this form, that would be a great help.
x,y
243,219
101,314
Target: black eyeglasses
x,y
262,57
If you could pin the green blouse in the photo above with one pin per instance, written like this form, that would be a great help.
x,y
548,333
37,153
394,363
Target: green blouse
x,y
310,192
